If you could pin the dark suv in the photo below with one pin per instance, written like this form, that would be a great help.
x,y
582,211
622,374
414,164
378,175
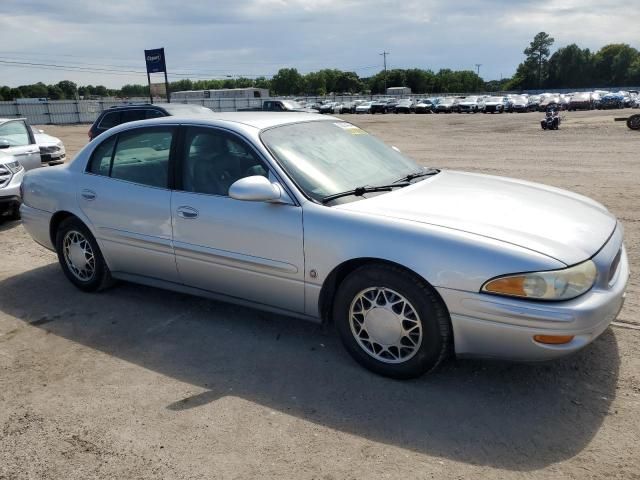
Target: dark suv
x,y
119,114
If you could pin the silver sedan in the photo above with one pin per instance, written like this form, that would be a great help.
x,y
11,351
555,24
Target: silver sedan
x,y
311,216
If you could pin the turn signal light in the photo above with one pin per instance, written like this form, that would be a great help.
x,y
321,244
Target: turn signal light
x,y
553,339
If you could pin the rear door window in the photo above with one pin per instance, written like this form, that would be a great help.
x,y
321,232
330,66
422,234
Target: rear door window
x,y
142,156
153,113
101,157
110,120
139,156
127,116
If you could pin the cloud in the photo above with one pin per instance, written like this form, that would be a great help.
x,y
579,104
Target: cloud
x,y
256,37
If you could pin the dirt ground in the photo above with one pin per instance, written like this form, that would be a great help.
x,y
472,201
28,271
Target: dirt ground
x,y
140,383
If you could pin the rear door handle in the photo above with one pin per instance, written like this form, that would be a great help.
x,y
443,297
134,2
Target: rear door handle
x,y
88,194
187,212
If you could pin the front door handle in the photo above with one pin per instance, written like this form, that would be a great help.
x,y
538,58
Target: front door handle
x,y
88,194
187,212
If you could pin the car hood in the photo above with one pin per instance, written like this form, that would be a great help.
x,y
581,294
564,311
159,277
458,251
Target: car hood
x,y
560,224
44,139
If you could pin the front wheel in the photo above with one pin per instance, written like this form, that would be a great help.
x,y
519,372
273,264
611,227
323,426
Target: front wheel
x,y
80,256
392,322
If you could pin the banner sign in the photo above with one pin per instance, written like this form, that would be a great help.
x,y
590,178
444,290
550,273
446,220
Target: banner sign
x,y
155,60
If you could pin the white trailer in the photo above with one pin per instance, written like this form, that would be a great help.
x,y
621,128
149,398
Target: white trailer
x,y
398,91
220,93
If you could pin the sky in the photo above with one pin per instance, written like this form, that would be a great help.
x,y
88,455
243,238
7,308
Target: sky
x,y
216,39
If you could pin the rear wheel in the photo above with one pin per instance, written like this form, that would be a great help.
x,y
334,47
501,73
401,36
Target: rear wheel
x,y
392,322
80,256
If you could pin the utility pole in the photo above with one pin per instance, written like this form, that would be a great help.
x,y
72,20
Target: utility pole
x,y
478,65
384,57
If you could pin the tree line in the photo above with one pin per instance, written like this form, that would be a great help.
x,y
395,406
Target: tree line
x,y
288,81
614,65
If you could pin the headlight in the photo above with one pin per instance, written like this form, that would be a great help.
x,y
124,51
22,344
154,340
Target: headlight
x,y
552,285
15,166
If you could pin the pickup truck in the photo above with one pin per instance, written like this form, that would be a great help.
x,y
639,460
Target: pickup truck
x,y
279,106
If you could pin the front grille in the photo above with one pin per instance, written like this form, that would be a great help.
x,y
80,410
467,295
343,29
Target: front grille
x,y
614,266
5,176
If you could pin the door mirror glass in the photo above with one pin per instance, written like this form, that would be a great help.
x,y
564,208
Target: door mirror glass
x,y
4,143
255,189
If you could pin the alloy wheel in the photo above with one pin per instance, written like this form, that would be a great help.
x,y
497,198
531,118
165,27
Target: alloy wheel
x,y
79,256
385,325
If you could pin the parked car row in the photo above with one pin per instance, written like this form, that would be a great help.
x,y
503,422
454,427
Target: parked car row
x,y
482,103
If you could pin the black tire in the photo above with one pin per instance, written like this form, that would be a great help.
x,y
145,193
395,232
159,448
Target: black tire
x,y
633,122
432,315
14,214
101,277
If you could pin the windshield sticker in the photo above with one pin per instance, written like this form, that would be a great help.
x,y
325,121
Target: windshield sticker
x,y
352,129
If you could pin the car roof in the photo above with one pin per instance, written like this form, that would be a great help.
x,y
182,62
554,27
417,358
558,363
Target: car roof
x,y
5,120
257,120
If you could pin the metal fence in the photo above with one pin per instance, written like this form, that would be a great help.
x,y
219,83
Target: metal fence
x,y
61,112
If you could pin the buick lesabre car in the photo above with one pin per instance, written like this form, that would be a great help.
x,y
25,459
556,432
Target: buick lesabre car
x,y
313,217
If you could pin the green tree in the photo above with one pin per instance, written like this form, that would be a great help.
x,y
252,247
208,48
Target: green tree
x,y
262,82
181,85
420,81
348,82
287,81
69,88
533,71
54,92
538,52
612,64
315,83
570,67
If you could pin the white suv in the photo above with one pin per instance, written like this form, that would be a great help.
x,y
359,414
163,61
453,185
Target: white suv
x,y
18,152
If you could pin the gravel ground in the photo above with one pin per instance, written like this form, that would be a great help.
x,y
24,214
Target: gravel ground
x,y
141,383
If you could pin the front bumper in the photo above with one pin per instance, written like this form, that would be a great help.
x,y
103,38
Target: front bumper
x,y
9,203
500,327
52,159
10,193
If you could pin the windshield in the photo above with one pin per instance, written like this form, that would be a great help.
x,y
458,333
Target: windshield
x,y
494,99
324,158
292,104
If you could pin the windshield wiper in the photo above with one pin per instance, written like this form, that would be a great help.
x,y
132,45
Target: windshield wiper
x,y
360,191
422,173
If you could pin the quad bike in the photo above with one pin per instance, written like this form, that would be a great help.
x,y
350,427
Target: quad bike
x,y
551,120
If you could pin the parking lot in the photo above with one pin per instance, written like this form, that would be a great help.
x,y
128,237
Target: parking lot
x,y
137,382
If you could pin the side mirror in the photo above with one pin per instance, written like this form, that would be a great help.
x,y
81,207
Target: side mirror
x,y
4,143
255,189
